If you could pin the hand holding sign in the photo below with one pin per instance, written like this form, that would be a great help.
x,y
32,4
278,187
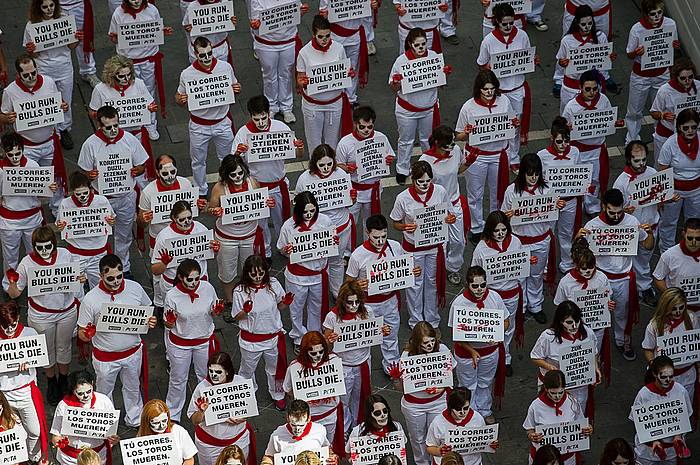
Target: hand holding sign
x,y
201,404
12,275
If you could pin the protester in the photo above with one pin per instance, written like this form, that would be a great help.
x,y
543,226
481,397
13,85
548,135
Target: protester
x,y
85,21
221,46
155,420
617,452
377,422
680,261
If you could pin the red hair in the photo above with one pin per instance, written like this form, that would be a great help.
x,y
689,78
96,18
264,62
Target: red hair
x,y
312,338
9,314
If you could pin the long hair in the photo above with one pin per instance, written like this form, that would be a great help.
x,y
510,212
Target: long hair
x,y
113,65
530,164
37,16
412,35
682,64
670,298
351,287
547,455
152,409
442,135
565,310
312,338
179,207
483,77
229,164
655,367
9,313
494,219
251,263
7,418
420,330
230,452
224,360
184,269
583,11
370,424
323,150
615,447
301,200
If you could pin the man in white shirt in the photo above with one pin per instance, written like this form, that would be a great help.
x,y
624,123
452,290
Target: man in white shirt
x,y
681,262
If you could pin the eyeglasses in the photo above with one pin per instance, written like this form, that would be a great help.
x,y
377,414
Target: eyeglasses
x,y
376,413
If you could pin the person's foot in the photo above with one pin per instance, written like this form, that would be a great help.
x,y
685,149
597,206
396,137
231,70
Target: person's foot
x,y
454,278
490,420
371,49
91,79
66,140
541,26
401,179
509,370
153,133
474,238
556,90
612,87
539,317
628,353
452,40
281,405
288,117
649,297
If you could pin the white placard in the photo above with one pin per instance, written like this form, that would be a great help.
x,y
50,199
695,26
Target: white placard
x,y
163,203
344,10
27,181
507,266
588,57
331,193
691,101
280,17
133,111
212,90
367,450
230,400
491,128
534,209
682,347
472,439
471,324
85,222
425,371
390,274
313,245
155,449
30,350
658,48
43,280
431,228
245,206
319,383
577,362
652,190
124,318
423,73
212,18
114,173
614,240
661,419
38,112
89,423
270,145
371,159
147,33
194,246
13,446
593,303
588,124
691,287
289,455
513,62
357,334
520,7
421,10
53,33
329,77
567,436
570,180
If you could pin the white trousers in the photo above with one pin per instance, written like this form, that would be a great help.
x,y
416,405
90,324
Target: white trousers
x,y
536,13
418,418
321,127
231,255
113,5
591,202
478,380
63,76
566,93
10,240
408,125
421,298
200,136
581,395
77,10
642,266
129,371
361,211
351,399
276,216
690,204
621,296
21,401
512,306
336,265
90,267
447,27
353,53
43,155
309,297
658,143
147,72
249,363
207,454
483,171
454,258
181,358
533,288
517,99
390,344
640,92
277,67
565,233
329,422
125,211
59,336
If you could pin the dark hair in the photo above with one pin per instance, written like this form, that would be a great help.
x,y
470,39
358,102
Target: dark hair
x,y
452,458
547,454
689,114
200,42
502,10
78,179
11,140
493,220
581,254
231,163
560,126
554,379
161,160
631,146
184,269
420,330
251,263
692,223
648,5
9,313
24,59
106,111
473,272
348,288
370,424
583,11
458,397
301,200
80,377
365,112
590,75
319,23
376,222
419,168
682,64
258,104
530,164
298,408
412,35
37,16
615,447
613,197
110,261
223,359
44,234
655,367
442,135
483,77
563,311
389,459
179,207
323,150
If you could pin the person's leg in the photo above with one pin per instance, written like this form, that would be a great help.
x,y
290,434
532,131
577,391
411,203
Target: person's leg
x,y
285,79
390,344
199,143
296,310
430,298
414,294
275,390
10,240
180,360
668,223
620,294
534,289
200,357
125,211
64,82
130,376
269,66
486,373
249,363
417,430
512,306
24,406
407,135
476,179
425,129
331,127
446,26
640,87
147,72
565,234
223,138
455,244
313,127
353,53
105,376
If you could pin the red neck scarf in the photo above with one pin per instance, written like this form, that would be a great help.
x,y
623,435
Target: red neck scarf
x,y
689,149
416,195
318,47
77,202
101,135
200,67
472,298
121,89
673,324
592,105
72,401
580,278
632,173
432,152
604,218
494,245
303,227
446,415
174,227
550,403
232,187
347,316
303,434
503,39
659,390
5,163
412,56
134,11
382,432
111,292
18,331
647,24
37,85
574,338
684,249
40,261
531,190
559,156
192,293
254,129
162,187
380,253
357,136
677,86
480,101
590,38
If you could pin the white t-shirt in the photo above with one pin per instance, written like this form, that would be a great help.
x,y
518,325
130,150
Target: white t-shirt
x,y
223,430
318,406
573,107
526,230
51,59
549,349
281,440
346,153
446,172
87,243
13,93
405,206
338,216
437,434
674,265
473,108
119,17
148,196
635,36
282,34
539,413
667,98
616,264
570,42
420,99
684,168
194,319
491,301
171,232
645,214
309,57
19,203
101,402
191,73
483,250
286,233
12,379
268,170
491,45
264,318
352,357
104,94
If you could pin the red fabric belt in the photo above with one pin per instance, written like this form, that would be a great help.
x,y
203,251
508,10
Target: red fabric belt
x,y
146,143
656,72
571,83
686,185
604,162
284,192
104,356
73,452
410,107
87,252
41,309
258,241
376,207
88,30
207,438
440,272
466,215
300,270
58,163
422,400
213,342
281,367
365,390
353,230
345,114
206,122
157,60
18,214
662,130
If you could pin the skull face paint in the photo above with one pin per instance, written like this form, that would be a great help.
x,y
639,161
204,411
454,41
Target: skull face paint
x,y
422,184
191,281
261,121
183,221
678,311
380,413
28,74
112,278
570,325
427,344
109,127
614,214
14,156
315,353
135,3
555,394
638,160
309,212
586,272
364,128
352,303
217,374
420,46
82,194
506,25
689,129
488,92
460,414
123,76
322,37
167,174
561,143
48,8
257,275
325,166
665,377
160,423
478,286
692,239
297,424
500,232
205,55
44,249
585,25
83,392
237,176
377,238
531,179
686,77
656,16
589,90
11,329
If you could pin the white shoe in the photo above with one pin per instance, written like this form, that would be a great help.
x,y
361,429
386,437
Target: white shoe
x,y
91,79
255,55
289,117
153,133
371,49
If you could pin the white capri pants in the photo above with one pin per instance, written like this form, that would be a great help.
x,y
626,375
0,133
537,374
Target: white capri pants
x,y
409,123
180,359
336,265
454,257
478,380
277,67
10,240
640,91
249,363
421,298
21,401
59,335
309,296
483,171
125,211
230,258
276,215
388,309
418,418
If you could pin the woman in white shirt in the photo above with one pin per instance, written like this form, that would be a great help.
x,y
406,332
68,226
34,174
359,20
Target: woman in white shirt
x,y
155,420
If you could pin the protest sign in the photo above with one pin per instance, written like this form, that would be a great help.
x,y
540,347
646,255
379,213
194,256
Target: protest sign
x,y
577,362
29,349
513,62
369,449
357,334
691,101
133,111
325,381
147,33
593,303
491,128
114,172
280,17
245,206
344,10
614,240
588,124
332,192
208,91
472,439
194,246
566,436
154,449
533,209
289,455
211,18
431,228
420,372
270,145
682,347
329,77
477,324
85,222
38,112
42,280
89,423
230,400
13,446
520,7
163,203
53,33
124,318
423,73
661,419
651,190
658,47
507,266
371,159
691,287
313,245
570,180
588,57
421,10
390,274
23,181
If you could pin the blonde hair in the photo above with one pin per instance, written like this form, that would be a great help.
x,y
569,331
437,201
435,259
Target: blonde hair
x,y
307,457
8,418
670,298
452,458
114,64
152,409
230,452
89,457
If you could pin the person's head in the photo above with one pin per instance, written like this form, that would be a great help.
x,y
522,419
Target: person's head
x,y
421,176
111,272
486,86
259,110
155,418
9,318
44,10
313,350
88,457
476,281
26,70
79,185
255,272
298,416
443,138
119,71
452,458
560,134
321,31
583,22
231,455
672,307
203,51
589,83
189,273
377,414
636,156
233,169
390,459
554,385
687,123
504,18
351,299
363,119
617,452
135,4
220,368
691,234
181,215
547,455
613,202
416,41
307,457
108,121
12,147
377,231
81,384
496,227
530,174
7,418
166,169
683,72
305,208
653,10
583,258
458,403
322,162
424,339
660,372
567,320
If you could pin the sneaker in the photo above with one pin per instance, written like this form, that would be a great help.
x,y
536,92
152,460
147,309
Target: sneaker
x,y
66,140
401,179
452,40
541,26
281,405
454,278
628,353
509,370
289,117
91,79
649,297
490,420
612,87
556,90
474,238
539,317
371,49
153,133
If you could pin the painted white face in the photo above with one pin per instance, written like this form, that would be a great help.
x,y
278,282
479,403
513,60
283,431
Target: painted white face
x,y
297,425
377,237
689,129
316,352
44,249
123,76
665,377
620,460
589,90
638,161
678,311
478,286
419,46
14,156
112,278
322,37
447,148
261,120
110,127
237,176
570,325
422,184
233,461
614,214
500,232
28,74
427,344
488,92
585,25
47,9
352,303
531,179
257,275
686,77
82,194
205,55
506,24
217,374
309,212
191,281
460,414
692,239
11,330
135,3
656,16
586,272
560,143
555,394
183,220
364,128
325,166
83,392
380,413
167,174
160,423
